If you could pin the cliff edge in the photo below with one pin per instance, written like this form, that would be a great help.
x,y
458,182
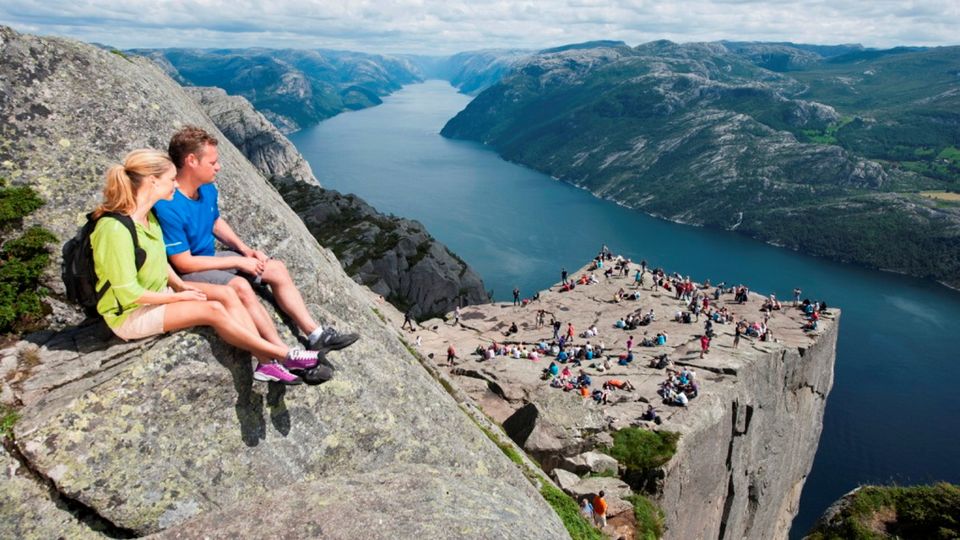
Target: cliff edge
x,y
746,442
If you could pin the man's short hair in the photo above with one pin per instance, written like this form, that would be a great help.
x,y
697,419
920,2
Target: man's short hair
x,y
188,140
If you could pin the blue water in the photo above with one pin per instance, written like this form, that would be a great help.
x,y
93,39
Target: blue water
x,y
891,416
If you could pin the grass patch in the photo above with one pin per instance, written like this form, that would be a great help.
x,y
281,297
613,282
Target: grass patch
x,y
649,517
950,153
506,448
641,450
930,512
379,315
565,507
8,418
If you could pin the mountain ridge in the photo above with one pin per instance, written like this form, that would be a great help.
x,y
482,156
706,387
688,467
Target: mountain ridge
x,y
697,134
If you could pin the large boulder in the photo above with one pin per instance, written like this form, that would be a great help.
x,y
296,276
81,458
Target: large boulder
x,y
591,462
554,424
28,511
147,435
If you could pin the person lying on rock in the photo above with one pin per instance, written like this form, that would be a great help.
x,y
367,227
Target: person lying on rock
x,y
152,299
191,222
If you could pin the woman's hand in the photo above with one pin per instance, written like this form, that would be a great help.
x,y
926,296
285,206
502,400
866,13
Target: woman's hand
x,y
189,293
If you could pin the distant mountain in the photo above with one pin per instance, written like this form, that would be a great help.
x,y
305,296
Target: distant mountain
x,y
786,56
473,71
824,154
293,88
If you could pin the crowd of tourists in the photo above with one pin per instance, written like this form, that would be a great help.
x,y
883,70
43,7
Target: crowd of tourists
x,y
571,353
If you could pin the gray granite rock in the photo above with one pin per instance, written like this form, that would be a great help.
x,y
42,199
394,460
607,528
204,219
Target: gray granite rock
x,y
149,434
29,511
590,462
371,506
554,424
566,480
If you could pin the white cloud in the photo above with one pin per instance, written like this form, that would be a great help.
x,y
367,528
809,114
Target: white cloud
x,y
440,27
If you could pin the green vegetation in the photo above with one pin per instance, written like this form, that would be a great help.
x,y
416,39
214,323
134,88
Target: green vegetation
x,y
565,507
507,449
875,513
614,128
950,153
8,418
120,53
649,517
640,450
22,260
829,134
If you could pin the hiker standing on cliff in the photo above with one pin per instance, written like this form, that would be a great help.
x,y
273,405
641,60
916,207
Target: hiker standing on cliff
x,y
600,510
704,345
408,319
516,296
191,223
456,316
563,276
796,296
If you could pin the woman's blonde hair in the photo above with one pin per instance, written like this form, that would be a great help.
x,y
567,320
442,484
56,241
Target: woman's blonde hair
x,y
123,181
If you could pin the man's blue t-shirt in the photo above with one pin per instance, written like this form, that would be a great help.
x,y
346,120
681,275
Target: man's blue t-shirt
x,y
188,224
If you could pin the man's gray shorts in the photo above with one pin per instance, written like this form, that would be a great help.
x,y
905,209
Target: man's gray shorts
x,y
216,277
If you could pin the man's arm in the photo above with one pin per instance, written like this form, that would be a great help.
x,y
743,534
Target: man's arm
x,y
186,263
223,232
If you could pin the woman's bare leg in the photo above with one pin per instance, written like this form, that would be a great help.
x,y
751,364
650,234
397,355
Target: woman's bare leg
x,y
231,301
179,315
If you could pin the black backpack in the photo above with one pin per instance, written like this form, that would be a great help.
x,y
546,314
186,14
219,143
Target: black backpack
x,y
77,269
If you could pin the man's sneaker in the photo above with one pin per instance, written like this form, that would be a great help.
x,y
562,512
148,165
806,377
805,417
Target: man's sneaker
x,y
316,375
301,359
274,372
331,340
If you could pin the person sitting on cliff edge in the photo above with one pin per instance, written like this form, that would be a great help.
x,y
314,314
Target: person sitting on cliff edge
x,y
192,220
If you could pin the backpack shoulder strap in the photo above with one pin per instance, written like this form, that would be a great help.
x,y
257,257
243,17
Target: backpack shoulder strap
x,y
139,253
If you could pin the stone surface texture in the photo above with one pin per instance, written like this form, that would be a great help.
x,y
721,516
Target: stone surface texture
x,y
746,443
395,257
151,434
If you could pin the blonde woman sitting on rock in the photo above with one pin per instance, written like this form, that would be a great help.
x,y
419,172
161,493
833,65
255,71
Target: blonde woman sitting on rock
x,y
143,296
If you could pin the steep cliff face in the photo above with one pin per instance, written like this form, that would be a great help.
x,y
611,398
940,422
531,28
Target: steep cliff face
x,y
145,436
746,442
395,257
744,459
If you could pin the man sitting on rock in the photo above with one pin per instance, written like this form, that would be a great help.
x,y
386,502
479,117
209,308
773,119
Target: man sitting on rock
x,y
191,222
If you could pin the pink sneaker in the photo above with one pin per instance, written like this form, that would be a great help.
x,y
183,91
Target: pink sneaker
x,y
274,372
301,359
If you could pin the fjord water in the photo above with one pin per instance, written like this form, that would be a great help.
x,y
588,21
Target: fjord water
x,y
892,415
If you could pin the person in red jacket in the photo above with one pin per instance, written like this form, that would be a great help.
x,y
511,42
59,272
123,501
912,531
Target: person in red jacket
x,y
600,510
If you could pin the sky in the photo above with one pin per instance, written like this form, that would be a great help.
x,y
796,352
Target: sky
x,y
450,26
